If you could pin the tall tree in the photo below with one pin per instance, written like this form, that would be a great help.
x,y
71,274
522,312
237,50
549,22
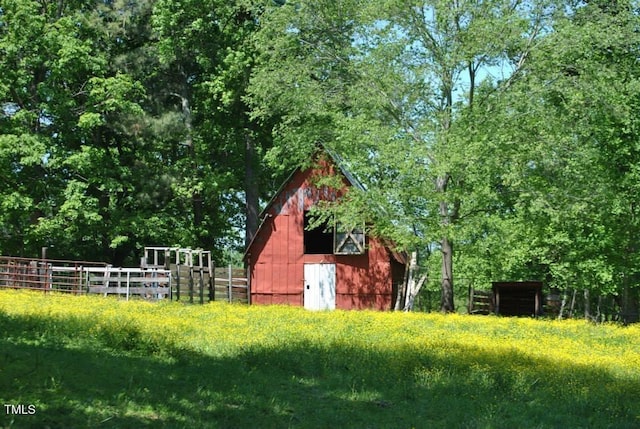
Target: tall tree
x,y
65,108
388,86
573,117
206,55
123,125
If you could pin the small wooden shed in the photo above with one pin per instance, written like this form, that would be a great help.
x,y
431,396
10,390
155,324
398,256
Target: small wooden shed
x,y
518,298
322,268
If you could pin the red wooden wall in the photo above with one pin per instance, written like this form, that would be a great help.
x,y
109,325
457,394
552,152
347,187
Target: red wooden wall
x,y
276,256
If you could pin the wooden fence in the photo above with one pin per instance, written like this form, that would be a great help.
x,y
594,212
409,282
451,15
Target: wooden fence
x,y
480,302
195,278
196,284
231,284
179,281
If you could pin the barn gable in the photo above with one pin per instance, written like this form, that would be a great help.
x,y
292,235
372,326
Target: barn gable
x,y
289,264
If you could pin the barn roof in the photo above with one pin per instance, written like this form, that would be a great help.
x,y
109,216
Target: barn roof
x,y
345,172
351,179
337,160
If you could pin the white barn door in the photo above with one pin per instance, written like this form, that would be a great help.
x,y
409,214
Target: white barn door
x,y
320,286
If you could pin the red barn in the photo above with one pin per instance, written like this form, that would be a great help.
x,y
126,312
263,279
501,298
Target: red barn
x,y
317,268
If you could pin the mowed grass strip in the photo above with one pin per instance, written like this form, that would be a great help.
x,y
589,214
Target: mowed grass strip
x,y
88,361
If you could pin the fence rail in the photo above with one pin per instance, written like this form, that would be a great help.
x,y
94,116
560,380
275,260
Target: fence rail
x,y
150,282
146,283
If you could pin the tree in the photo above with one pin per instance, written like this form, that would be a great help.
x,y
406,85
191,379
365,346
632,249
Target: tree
x,y
123,125
389,86
575,171
207,59
60,102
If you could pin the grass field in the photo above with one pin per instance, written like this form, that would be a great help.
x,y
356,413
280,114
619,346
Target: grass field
x,y
93,362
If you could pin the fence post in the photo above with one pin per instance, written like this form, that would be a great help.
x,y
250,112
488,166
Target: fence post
x,y
201,277
201,285
167,266
42,271
77,278
212,275
107,277
190,256
178,285
230,283
128,279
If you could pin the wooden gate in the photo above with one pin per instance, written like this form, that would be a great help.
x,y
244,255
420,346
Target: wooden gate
x,y
194,276
147,283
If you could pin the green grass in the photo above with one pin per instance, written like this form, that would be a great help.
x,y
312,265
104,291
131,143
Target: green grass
x,y
89,362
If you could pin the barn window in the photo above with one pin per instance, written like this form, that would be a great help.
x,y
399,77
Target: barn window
x,y
348,241
318,240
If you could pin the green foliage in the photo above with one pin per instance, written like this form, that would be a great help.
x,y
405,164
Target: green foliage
x,y
508,129
565,134
122,125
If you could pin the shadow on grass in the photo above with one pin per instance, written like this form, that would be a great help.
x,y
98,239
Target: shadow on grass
x,y
76,384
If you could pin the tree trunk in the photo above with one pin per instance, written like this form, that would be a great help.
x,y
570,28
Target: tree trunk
x,y
447,216
401,303
587,305
629,303
563,304
446,302
250,189
413,291
406,295
196,197
573,303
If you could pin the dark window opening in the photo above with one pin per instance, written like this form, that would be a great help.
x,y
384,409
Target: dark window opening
x,y
318,240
